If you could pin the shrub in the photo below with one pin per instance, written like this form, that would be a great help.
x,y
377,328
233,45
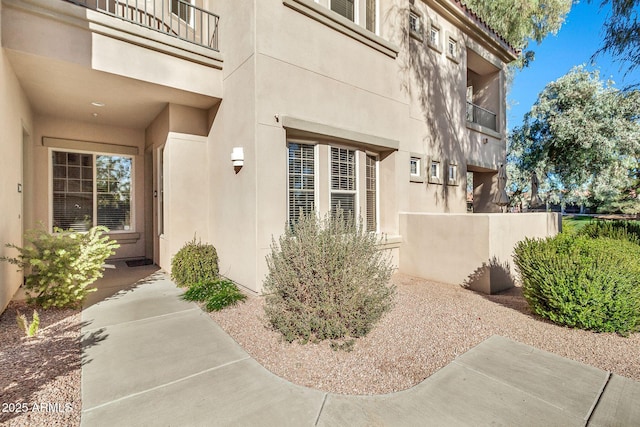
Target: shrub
x,y
59,267
621,230
195,262
30,329
216,294
326,280
582,282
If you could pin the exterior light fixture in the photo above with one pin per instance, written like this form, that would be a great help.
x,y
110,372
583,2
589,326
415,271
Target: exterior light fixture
x,y
98,104
485,140
237,158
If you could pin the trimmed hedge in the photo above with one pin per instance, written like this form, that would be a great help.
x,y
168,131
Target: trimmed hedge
x,y
621,230
582,282
195,262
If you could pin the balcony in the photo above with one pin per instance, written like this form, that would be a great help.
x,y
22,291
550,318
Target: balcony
x,y
481,116
177,18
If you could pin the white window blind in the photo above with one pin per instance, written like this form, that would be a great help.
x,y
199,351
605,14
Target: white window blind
x,y
301,181
343,182
371,176
344,8
91,190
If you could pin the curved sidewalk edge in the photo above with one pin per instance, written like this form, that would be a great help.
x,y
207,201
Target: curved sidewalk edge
x,y
150,358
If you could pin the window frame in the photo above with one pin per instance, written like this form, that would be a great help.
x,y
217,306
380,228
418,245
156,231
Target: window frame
x,y
361,13
420,169
190,21
437,178
453,41
376,211
435,45
94,192
316,168
357,191
452,178
416,33
323,176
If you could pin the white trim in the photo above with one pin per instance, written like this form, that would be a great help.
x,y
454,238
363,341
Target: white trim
x,y
94,154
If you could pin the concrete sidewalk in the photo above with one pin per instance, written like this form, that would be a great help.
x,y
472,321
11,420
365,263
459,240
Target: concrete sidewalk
x,y
151,358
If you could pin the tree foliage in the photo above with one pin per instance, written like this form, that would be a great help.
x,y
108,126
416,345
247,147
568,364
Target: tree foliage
x,y
583,135
622,32
522,20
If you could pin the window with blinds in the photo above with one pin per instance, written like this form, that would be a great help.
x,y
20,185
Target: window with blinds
x,y
91,190
301,181
371,177
344,7
343,182
371,15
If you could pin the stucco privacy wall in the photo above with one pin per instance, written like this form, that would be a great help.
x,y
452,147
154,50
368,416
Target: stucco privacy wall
x,y
15,121
471,249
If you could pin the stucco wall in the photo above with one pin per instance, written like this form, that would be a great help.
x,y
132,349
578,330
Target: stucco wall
x,y
475,250
186,199
15,119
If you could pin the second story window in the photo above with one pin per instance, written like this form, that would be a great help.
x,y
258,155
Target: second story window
x,y
182,9
415,24
452,49
433,37
371,15
345,8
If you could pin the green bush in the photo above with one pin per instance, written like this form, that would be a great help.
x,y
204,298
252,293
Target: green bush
x,y
216,294
59,267
326,280
582,282
195,262
621,230
30,329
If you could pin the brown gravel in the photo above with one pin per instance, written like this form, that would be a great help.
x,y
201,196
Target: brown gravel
x,y
429,326
40,376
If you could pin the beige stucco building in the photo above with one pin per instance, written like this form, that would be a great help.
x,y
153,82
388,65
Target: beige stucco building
x,y
128,114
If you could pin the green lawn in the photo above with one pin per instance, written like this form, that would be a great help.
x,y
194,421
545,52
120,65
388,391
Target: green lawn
x,y
575,222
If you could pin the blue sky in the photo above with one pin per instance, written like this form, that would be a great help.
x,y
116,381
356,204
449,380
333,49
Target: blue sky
x,y
578,39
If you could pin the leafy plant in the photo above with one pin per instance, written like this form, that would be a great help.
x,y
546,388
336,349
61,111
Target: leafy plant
x,y
582,282
621,230
216,294
59,267
327,280
195,262
30,329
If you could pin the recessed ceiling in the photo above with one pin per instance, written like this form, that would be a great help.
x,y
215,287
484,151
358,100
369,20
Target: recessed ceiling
x,y
66,90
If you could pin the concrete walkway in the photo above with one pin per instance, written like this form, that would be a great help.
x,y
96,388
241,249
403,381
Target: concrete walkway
x,y
151,359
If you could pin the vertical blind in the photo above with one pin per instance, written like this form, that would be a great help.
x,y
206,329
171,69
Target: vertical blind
x,y
301,181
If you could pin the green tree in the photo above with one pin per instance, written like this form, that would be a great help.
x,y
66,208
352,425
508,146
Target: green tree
x,y
520,21
583,136
622,32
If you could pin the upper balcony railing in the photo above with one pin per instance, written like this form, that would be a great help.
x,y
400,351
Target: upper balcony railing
x,y
178,18
481,116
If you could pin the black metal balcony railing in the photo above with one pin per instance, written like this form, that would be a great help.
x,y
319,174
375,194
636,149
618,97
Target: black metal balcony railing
x,y
178,18
481,116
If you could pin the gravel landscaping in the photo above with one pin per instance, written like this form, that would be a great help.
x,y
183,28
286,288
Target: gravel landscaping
x,y
40,376
429,326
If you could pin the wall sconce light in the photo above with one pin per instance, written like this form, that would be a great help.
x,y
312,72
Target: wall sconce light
x,y
237,158
485,140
